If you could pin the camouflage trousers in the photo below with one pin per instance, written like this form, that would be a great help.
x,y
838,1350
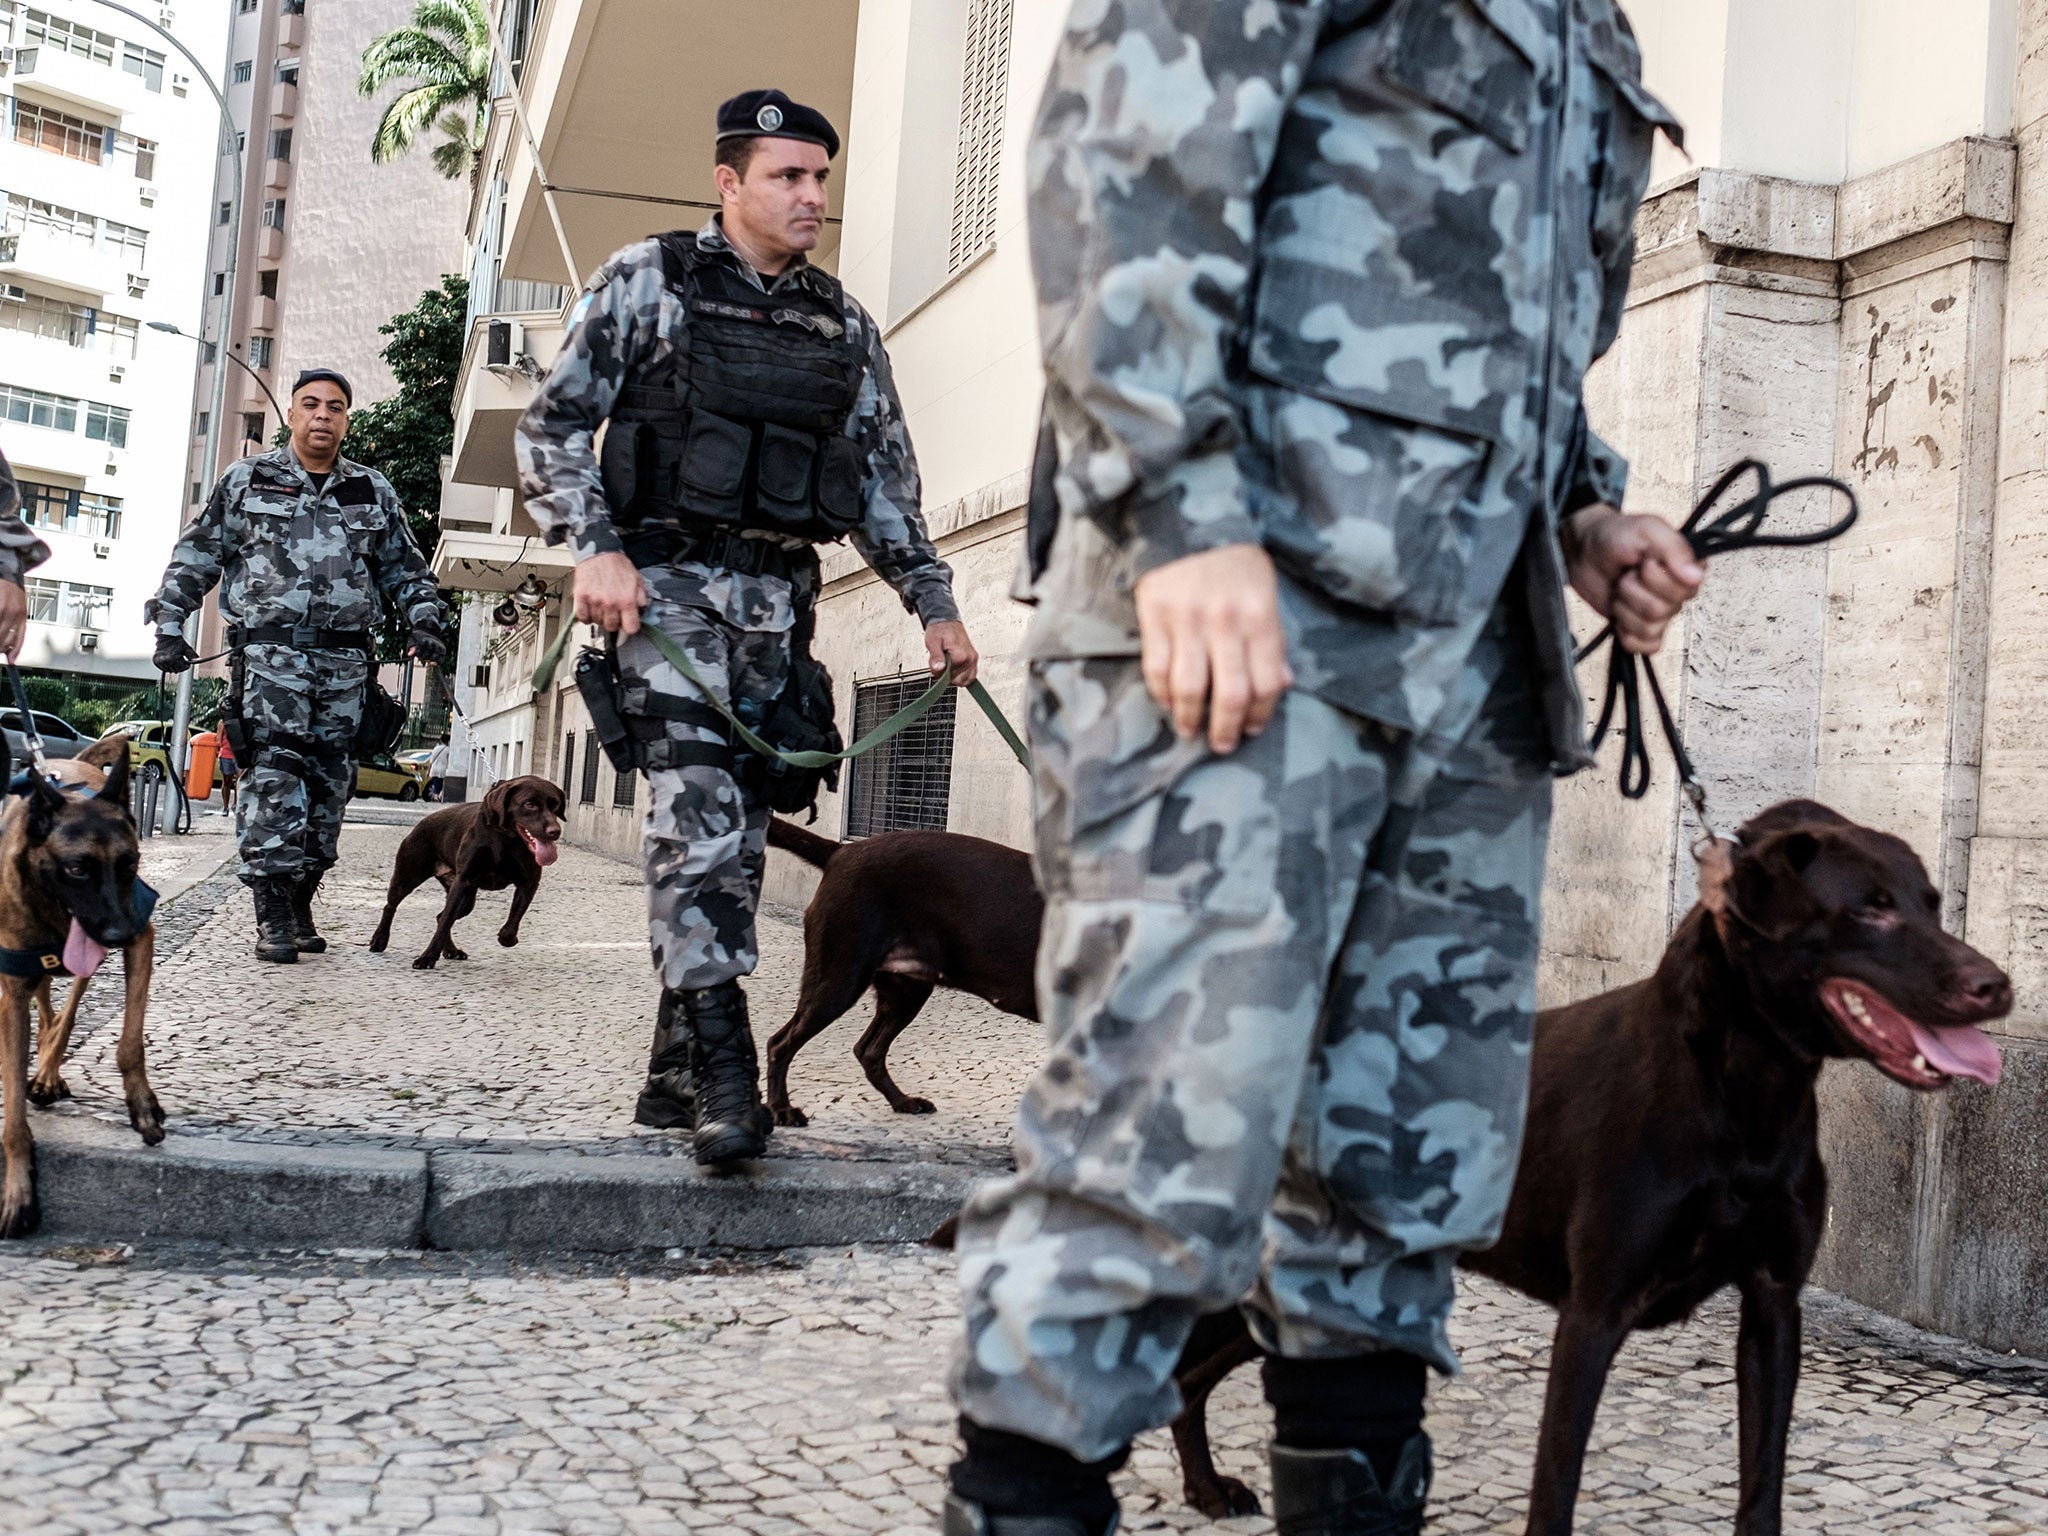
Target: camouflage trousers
x,y
1276,1077
704,847
301,709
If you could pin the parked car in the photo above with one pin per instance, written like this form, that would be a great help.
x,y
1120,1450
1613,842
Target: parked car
x,y
384,775
149,744
59,739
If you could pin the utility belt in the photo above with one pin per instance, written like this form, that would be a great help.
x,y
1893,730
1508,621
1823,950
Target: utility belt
x,y
377,729
664,543
303,637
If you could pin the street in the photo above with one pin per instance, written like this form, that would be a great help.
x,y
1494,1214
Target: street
x,y
180,1389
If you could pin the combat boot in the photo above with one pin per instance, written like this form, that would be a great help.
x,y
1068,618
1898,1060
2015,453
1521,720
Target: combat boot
x,y
304,934
666,1102
274,940
963,1517
725,1075
1337,1493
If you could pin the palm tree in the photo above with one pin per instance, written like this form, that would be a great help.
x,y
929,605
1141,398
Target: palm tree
x,y
445,55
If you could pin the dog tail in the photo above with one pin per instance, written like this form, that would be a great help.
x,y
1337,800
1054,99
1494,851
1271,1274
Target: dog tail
x,y
808,846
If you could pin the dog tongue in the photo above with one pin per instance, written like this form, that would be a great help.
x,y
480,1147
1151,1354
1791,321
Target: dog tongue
x,y
1960,1050
543,853
82,955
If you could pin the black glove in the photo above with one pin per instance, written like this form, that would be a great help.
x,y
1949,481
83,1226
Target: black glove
x,y
429,647
173,654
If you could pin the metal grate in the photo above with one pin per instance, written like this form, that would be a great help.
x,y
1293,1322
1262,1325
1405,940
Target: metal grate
x,y
589,795
568,779
908,782
984,94
622,789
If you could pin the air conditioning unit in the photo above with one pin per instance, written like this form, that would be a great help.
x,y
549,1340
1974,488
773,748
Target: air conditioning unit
x,y
116,372
88,641
102,550
13,293
506,341
480,675
138,285
148,195
180,84
10,248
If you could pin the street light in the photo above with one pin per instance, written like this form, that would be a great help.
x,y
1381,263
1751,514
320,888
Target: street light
x,y
171,330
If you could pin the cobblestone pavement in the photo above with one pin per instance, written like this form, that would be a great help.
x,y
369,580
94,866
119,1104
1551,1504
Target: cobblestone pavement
x,y
435,1394
542,1046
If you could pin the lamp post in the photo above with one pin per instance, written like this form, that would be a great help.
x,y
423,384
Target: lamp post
x,y
171,330
181,714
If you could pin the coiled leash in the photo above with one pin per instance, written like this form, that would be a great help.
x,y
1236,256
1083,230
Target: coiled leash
x,y
888,730
1740,527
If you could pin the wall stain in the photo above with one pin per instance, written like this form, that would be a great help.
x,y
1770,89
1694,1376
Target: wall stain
x,y
1932,449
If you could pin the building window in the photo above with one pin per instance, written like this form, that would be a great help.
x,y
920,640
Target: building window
x,y
260,348
588,793
74,603
291,7
75,138
246,6
273,213
106,424
76,325
568,776
197,491
227,211
220,284
984,93
252,426
145,158
622,790
132,242
69,511
205,421
907,782
266,284
34,408
244,70
280,143
287,71
44,598
147,63
68,37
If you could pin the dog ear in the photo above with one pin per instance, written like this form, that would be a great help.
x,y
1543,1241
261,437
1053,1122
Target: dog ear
x,y
497,811
107,751
1764,887
45,800
116,787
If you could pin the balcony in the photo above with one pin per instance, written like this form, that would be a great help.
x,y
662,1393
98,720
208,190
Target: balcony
x,y
277,175
591,70
284,99
70,83
270,244
62,264
69,456
497,562
489,401
263,315
291,30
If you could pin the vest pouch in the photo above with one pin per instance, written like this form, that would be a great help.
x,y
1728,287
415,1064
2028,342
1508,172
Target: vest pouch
x,y
619,463
841,473
782,480
711,480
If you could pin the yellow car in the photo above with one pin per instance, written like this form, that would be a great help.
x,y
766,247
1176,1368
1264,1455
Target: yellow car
x,y
382,775
149,742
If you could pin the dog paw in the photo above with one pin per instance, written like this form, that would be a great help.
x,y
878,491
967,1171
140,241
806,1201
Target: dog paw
x,y
20,1217
508,940
789,1115
1224,1498
45,1094
915,1107
424,963
147,1116
456,954
378,943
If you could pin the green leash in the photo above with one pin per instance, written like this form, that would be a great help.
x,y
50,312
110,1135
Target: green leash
x,y
888,730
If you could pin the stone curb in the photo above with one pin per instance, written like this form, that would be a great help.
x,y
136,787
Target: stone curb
x,y
96,1180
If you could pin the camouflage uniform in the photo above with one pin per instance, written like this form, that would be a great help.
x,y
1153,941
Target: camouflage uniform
x,y
1324,275
20,549
705,836
286,554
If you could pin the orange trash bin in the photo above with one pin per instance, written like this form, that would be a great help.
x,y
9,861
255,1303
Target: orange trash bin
x,y
199,776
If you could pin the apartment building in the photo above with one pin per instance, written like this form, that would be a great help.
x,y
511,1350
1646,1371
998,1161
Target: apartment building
x,y
1850,277
109,147
322,261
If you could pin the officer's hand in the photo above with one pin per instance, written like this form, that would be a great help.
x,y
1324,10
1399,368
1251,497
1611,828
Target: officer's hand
x,y
610,594
947,645
13,618
429,647
1210,642
1635,570
173,654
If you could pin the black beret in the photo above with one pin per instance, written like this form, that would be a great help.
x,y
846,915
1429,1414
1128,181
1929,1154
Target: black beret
x,y
312,375
772,115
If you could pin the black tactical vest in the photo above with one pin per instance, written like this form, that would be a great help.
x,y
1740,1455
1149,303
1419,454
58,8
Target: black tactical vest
x,y
747,429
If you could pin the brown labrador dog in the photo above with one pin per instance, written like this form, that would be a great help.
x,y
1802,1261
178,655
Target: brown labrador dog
x,y
1672,1144
68,860
507,838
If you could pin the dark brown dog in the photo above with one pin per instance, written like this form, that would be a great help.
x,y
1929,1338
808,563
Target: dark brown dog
x,y
68,857
904,912
1672,1140
507,838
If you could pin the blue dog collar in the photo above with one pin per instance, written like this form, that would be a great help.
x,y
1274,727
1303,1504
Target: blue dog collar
x,y
36,964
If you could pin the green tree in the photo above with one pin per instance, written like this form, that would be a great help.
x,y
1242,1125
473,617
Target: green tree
x,y
444,56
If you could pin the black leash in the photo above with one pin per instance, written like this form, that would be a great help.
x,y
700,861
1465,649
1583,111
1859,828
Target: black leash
x,y
1740,527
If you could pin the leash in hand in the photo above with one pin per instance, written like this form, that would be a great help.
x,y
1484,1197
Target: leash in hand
x,y
1711,534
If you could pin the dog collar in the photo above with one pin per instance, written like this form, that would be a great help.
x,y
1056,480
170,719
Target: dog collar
x,y
48,960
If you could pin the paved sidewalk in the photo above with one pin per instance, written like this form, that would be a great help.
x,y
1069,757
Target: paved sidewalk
x,y
536,1048
312,1395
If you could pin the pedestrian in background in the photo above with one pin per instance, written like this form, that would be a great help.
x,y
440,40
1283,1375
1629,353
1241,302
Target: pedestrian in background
x,y
1319,283
307,546
752,417
437,767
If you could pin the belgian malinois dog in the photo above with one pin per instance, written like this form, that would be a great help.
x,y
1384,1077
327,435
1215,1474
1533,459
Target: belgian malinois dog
x,y
68,860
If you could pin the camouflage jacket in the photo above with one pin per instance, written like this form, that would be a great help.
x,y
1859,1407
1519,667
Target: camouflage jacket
x,y
19,547
1327,275
629,319
287,554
